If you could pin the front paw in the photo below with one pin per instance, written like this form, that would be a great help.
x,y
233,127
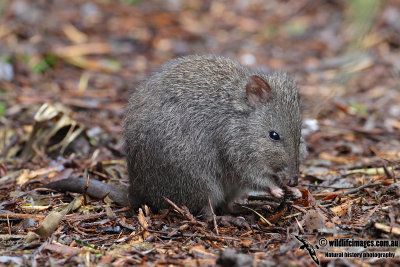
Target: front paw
x,y
294,192
276,191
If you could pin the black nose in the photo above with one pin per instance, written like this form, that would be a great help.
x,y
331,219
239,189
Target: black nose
x,y
293,181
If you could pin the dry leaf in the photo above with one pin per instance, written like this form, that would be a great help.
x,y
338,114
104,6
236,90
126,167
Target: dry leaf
x,y
314,220
49,224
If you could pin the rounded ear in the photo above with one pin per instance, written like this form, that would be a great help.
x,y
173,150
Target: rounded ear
x,y
258,91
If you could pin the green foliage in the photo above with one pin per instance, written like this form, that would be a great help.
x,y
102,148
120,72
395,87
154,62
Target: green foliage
x,y
295,28
24,58
93,142
361,16
45,64
130,2
6,58
2,108
124,2
112,64
83,243
3,7
358,109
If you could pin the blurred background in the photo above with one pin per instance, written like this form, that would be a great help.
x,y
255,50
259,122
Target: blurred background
x,y
67,67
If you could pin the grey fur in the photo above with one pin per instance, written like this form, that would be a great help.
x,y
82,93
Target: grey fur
x,y
191,133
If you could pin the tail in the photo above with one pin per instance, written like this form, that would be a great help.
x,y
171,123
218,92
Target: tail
x,y
96,189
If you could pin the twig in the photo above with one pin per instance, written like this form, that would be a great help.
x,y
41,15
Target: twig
x,y
201,235
8,225
299,225
184,211
7,147
85,195
264,220
292,215
5,237
21,216
299,208
179,210
213,216
387,173
326,186
355,190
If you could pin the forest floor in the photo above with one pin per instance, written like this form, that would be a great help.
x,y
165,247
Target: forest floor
x,y
66,71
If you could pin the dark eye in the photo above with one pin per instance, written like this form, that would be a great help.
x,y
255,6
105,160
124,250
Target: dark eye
x,y
274,136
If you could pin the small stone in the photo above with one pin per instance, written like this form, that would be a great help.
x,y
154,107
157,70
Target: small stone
x,y
6,72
